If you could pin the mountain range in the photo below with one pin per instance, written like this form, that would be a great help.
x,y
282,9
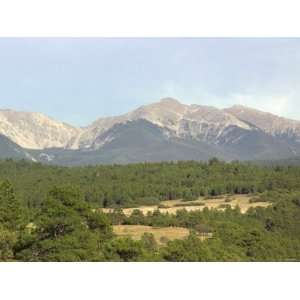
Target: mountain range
x,y
162,131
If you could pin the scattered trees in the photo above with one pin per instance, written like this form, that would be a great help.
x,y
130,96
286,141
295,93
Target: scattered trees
x,y
54,214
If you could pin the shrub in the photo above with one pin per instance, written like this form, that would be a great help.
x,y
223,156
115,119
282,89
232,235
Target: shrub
x,y
189,204
224,206
163,206
213,197
163,239
228,199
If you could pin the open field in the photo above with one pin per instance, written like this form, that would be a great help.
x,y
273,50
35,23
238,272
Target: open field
x,y
172,206
161,234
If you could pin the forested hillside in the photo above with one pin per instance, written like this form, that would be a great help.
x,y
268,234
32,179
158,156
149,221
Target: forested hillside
x,y
146,183
50,213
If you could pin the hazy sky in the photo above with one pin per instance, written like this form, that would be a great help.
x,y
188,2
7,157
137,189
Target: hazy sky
x,y
79,80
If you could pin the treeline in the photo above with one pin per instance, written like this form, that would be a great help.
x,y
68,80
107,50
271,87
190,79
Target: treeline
x,y
147,183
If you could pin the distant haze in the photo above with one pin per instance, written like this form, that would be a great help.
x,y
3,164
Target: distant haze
x,y
78,80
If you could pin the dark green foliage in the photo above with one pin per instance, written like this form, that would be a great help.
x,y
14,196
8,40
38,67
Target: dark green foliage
x,y
54,213
12,215
262,234
66,230
123,250
146,183
8,240
190,204
149,241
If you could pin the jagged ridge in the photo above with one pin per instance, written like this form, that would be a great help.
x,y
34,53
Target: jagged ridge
x,y
237,132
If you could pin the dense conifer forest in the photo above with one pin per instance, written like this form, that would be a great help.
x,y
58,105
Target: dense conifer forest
x,y
50,213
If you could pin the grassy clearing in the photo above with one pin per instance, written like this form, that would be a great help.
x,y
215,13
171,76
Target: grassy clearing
x,y
161,234
172,206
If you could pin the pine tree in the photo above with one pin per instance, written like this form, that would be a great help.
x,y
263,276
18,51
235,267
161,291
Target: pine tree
x,y
12,214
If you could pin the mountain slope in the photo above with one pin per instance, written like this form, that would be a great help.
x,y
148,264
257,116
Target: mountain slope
x,y
35,130
203,123
252,145
135,141
166,130
9,149
142,141
269,123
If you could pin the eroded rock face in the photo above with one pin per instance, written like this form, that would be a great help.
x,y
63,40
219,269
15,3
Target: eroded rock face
x,y
35,130
269,123
201,123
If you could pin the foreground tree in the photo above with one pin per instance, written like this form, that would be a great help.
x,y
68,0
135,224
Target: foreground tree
x,y
12,213
8,241
66,230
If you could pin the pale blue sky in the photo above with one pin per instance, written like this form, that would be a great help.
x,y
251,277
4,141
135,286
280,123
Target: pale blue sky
x,y
79,80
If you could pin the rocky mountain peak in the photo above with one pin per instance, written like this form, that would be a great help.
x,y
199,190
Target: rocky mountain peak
x,y
199,122
35,130
169,100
